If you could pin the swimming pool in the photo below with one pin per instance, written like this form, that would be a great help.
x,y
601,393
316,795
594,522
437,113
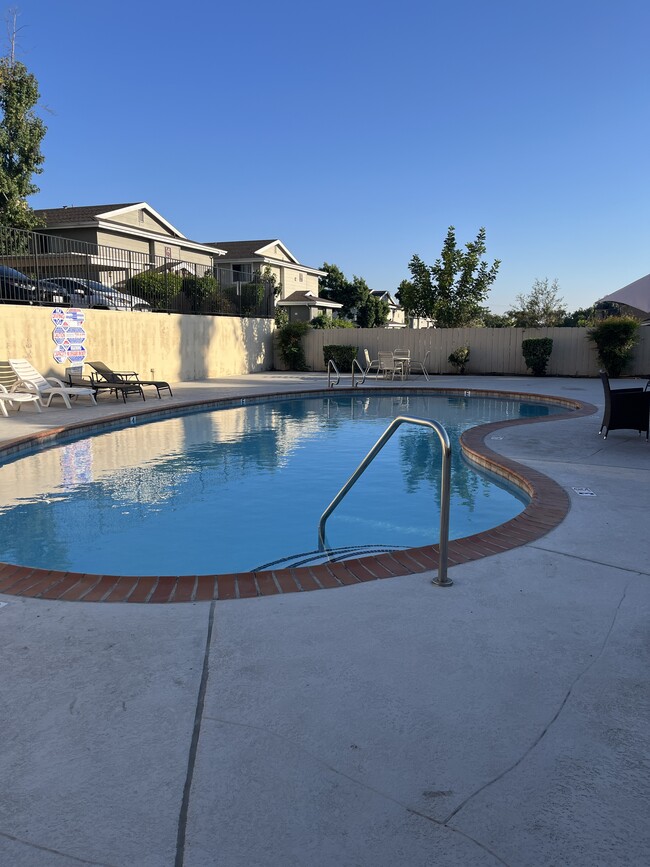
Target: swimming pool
x,y
240,489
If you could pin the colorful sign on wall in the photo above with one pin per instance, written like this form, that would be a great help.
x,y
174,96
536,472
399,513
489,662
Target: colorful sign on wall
x,y
69,335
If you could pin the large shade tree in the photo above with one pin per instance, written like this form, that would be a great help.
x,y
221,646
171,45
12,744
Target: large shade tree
x,y
452,290
21,134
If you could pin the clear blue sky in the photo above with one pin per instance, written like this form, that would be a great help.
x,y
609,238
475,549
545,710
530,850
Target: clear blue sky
x,y
357,132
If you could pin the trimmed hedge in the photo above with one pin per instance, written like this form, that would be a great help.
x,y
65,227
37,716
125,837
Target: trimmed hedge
x,y
343,356
536,352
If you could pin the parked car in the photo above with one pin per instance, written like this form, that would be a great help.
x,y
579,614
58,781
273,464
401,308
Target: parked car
x,y
91,293
16,287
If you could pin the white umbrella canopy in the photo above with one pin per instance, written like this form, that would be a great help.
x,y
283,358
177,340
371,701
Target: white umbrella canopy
x,y
635,295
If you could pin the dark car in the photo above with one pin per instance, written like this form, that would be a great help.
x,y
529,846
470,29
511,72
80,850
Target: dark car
x,y
90,293
16,287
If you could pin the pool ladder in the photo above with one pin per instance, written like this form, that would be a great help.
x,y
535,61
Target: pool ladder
x,y
331,367
442,580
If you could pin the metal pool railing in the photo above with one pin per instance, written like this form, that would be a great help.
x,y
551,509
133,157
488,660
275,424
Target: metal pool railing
x,y
442,579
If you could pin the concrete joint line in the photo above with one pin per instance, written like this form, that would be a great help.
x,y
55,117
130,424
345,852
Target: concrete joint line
x,y
550,723
50,851
589,560
440,824
194,743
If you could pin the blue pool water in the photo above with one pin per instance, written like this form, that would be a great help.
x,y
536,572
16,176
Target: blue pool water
x,y
236,489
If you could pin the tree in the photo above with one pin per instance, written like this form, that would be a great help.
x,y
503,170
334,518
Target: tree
x,y
452,290
359,304
541,307
21,133
373,312
581,317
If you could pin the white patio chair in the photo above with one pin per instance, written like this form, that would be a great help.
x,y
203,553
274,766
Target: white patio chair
x,y
388,365
30,380
370,363
403,356
422,365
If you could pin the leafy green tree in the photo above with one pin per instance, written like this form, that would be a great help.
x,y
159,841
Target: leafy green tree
x,y
21,133
359,304
452,290
580,318
540,308
416,295
495,320
325,321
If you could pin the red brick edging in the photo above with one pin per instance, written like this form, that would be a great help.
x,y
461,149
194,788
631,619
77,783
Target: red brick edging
x,y
548,505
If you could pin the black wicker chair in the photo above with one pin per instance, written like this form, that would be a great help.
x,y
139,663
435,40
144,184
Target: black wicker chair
x,y
625,408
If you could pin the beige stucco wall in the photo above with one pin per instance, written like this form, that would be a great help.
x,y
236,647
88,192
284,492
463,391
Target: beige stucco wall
x,y
175,346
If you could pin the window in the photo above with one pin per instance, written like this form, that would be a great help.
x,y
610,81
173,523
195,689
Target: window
x,y
141,215
242,273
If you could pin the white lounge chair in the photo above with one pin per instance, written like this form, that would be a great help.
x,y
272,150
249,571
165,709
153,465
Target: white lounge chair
x,y
8,397
30,380
16,397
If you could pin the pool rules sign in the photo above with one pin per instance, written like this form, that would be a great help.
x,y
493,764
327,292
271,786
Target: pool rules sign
x,y
69,335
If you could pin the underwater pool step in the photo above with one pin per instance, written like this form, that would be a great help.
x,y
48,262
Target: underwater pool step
x,y
329,555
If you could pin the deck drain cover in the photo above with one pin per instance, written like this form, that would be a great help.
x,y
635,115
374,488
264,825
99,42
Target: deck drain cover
x,y
584,492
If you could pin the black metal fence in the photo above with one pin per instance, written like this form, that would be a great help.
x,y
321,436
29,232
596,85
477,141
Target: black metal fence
x,y
49,270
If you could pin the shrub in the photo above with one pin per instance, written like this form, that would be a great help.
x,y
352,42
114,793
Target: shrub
x,y
536,352
200,293
159,289
325,321
343,356
459,358
292,351
615,338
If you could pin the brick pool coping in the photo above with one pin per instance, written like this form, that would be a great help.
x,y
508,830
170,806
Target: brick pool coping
x,y
549,504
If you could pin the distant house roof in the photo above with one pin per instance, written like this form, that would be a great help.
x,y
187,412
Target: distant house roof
x,y
71,214
264,250
305,298
242,249
385,296
106,216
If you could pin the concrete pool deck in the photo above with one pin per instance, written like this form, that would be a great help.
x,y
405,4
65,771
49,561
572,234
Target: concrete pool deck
x,y
499,721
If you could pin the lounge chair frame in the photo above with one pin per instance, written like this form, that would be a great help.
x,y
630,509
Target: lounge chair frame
x,y
126,377
47,388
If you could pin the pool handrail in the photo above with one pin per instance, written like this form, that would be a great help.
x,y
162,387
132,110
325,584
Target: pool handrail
x,y
361,371
442,579
332,364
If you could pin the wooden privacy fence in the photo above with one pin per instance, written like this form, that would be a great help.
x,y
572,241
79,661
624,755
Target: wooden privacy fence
x,y
492,350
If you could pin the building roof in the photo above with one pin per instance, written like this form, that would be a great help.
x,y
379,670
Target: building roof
x,y
106,217
305,298
72,214
242,249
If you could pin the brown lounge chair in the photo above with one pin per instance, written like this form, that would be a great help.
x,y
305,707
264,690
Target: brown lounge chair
x,y
126,377
75,377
